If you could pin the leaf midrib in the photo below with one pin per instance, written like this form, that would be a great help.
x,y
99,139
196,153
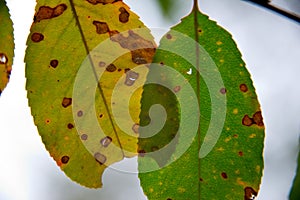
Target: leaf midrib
x,y
95,73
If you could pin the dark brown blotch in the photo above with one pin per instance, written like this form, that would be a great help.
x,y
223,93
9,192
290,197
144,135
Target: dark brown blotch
x,y
101,27
94,2
111,68
247,121
70,126
54,63
241,153
250,193
224,175
100,158
243,88
124,15
141,153
105,141
65,159
37,37
258,119
46,12
66,102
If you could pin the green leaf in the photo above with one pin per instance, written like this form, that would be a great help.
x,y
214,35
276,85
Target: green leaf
x,y
6,45
295,193
200,64
77,52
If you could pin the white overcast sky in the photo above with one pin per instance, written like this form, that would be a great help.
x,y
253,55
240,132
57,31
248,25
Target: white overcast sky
x,y
270,45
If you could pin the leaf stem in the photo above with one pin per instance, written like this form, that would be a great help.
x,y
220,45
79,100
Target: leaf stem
x,y
268,5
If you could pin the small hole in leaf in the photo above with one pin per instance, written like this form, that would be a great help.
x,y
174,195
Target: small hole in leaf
x,y
131,77
250,193
3,58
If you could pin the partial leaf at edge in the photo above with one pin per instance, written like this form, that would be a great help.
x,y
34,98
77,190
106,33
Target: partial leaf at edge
x,y
62,35
233,169
295,192
6,45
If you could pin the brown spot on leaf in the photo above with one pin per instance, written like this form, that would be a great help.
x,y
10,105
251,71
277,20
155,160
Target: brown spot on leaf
x,y
169,199
70,126
201,179
131,77
124,15
79,113
46,12
250,193
141,153
223,90
84,136
37,37
247,121
224,175
100,158
101,115
256,119
241,153
65,159
169,36
101,64
243,88
105,141
94,2
176,88
101,27
47,121
66,102
111,68
54,63
135,128
142,51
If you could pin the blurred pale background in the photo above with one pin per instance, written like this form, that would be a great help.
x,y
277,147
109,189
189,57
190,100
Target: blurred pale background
x,y
270,45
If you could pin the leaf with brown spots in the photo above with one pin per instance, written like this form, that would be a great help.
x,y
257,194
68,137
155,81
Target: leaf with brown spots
x,y
219,135
6,45
78,52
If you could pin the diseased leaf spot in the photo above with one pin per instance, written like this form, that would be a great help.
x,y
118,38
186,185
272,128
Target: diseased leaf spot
x,y
169,199
100,158
124,15
256,119
142,51
111,68
101,64
201,179
105,141
250,193
169,36
176,88
243,88
94,2
84,136
101,115
224,175
141,153
66,102
65,159
37,37
101,27
135,128
131,77
54,63
241,153
47,121
80,113
70,126
223,90
46,12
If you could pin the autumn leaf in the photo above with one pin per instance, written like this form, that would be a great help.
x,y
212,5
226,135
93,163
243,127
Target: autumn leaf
x,y
78,52
211,144
6,45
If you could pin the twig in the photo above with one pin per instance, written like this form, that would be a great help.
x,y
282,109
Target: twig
x,y
266,4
